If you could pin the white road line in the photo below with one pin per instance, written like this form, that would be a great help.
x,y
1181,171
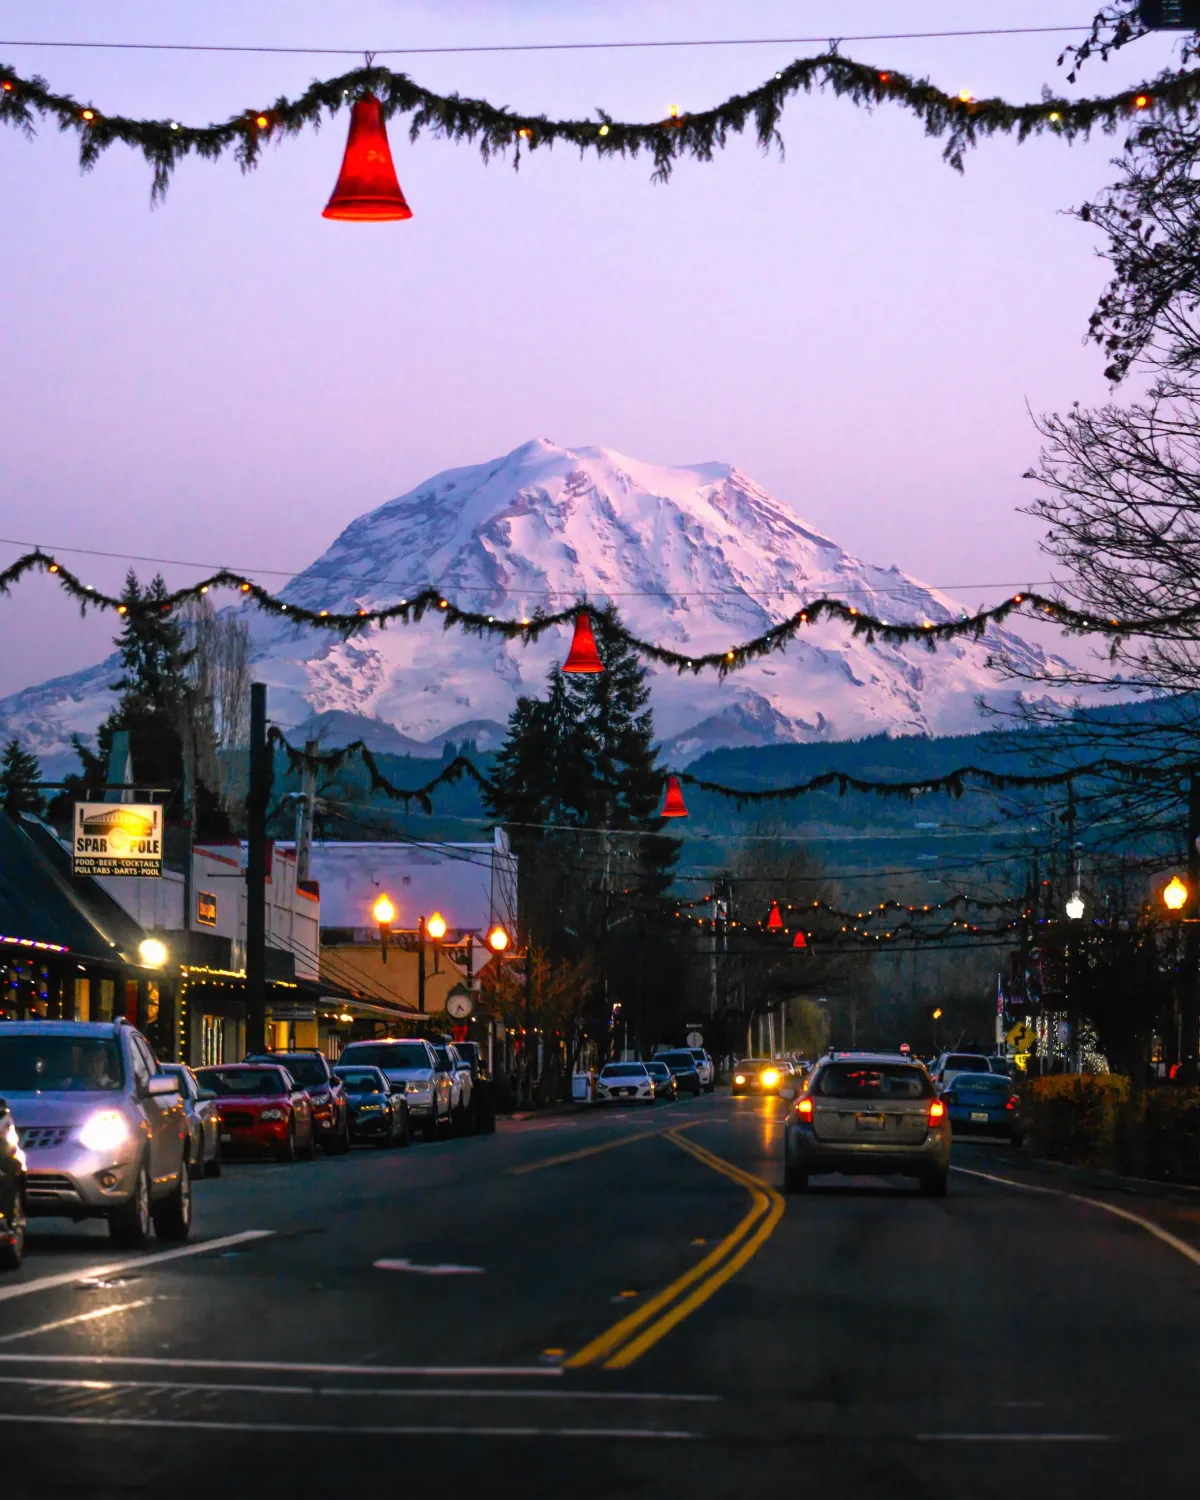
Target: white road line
x,y
420,1393
322,1428
1015,1437
87,1317
415,1270
163,1362
1189,1252
141,1263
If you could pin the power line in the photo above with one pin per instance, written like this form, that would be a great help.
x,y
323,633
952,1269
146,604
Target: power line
x,y
178,562
736,41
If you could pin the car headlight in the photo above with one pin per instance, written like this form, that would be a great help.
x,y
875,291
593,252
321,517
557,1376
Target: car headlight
x,y
104,1131
10,1135
273,1114
740,1078
769,1078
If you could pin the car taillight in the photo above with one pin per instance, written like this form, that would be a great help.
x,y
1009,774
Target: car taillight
x,y
937,1111
1013,1101
804,1108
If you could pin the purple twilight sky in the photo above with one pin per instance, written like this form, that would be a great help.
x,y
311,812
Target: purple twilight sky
x,y
229,378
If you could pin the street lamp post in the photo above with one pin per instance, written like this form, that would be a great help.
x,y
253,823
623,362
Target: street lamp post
x,y
384,913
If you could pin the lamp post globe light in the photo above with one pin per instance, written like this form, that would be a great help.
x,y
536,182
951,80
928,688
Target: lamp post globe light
x,y
497,939
1175,895
1075,907
152,953
436,926
384,913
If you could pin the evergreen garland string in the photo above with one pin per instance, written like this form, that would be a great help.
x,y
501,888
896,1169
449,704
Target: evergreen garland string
x,y
333,760
473,622
962,120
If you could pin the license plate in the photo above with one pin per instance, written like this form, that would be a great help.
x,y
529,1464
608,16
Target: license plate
x,y
870,1122
226,1137
979,1115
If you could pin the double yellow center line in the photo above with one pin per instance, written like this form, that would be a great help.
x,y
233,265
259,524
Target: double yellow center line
x,y
629,1339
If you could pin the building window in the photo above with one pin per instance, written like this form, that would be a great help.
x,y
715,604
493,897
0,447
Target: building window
x,y
212,1040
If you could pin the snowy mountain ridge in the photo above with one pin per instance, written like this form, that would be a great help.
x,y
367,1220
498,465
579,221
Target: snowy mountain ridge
x,y
695,557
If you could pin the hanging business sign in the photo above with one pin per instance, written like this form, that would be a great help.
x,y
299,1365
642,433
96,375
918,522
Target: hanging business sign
x,y
206,909
117,838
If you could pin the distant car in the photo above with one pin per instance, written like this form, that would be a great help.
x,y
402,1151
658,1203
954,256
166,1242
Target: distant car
x,y
683,1066
984,1104
263,1108
462,1086
204,1121
756,1075
410,1064
664,1080
706,1068
482,1099
378,1113
868,1113
950,1064
1001,1065
101,1126
312,1071
12,1193
624,1080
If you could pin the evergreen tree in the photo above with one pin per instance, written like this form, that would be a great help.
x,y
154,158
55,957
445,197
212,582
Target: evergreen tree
x,y
578,787
20,778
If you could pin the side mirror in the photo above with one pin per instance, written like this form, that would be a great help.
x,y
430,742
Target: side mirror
x,y
204,1095
787,1093
162,1084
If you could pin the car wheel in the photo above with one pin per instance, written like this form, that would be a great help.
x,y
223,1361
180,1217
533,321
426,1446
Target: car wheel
x,y
429,1127
382,1142
935,1184
309,1152
1017,1137
129,1225
404,1135
173,1217
287,1151
12,1245
795,1178
212,1167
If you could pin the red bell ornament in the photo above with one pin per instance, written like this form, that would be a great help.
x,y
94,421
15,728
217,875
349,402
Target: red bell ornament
x,y
799,941
367,190
583,656
673,804
774,920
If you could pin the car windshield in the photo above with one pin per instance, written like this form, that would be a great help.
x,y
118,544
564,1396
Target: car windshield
x,y
387,1055
309,1072
623,1070
751,1064
657,1068
362,1083
698,1054
59,1064
242,1081
861,1080
965,1062
443,1057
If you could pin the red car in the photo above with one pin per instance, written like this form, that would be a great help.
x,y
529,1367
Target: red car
x,y
263,1108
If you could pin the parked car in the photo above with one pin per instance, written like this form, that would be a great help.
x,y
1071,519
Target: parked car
x,y
950,1064
683,1067
410,1064
461,1087
1001,1065
756,1075
624,1080
331,1115
482,1098
706,1068
378,1113
12,1193
868,1113
204,1121
984,1104
665,1086
263,1108
101,1126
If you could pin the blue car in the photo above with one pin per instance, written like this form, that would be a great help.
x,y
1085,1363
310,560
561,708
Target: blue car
x,y
984,1104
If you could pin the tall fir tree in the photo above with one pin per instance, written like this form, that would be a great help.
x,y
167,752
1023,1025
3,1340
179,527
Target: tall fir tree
x,y
20,780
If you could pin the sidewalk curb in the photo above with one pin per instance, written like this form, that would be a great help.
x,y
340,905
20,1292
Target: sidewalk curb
x,y
548,1110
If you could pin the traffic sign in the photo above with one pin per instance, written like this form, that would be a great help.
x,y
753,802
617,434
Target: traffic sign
x,y
1020,1038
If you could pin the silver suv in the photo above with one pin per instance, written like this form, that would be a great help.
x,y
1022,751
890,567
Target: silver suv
x,y
102,1127
413,1069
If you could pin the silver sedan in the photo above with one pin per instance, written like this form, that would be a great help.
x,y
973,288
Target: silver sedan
x,y
204,1120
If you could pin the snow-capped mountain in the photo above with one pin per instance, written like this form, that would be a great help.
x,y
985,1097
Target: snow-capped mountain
x,y
696,557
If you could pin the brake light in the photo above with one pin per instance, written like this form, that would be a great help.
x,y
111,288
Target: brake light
x,y
937,1111
804,1108
1013,1101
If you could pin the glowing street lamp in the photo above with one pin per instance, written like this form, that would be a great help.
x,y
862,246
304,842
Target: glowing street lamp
x,y
1176,894
152,953
498,939
1075,907
436,926
384,913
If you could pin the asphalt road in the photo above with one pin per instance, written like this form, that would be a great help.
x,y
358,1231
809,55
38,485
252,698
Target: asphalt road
x,y
605,1305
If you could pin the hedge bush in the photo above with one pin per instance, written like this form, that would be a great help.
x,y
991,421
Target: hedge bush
x,y
1099,1122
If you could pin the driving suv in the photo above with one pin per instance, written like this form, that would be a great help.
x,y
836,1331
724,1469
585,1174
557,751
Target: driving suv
x,y
101,1126
330,1109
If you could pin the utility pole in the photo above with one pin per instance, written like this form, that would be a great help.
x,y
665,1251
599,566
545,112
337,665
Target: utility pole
x,y
256,872
306,812
1189,1067
421,965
